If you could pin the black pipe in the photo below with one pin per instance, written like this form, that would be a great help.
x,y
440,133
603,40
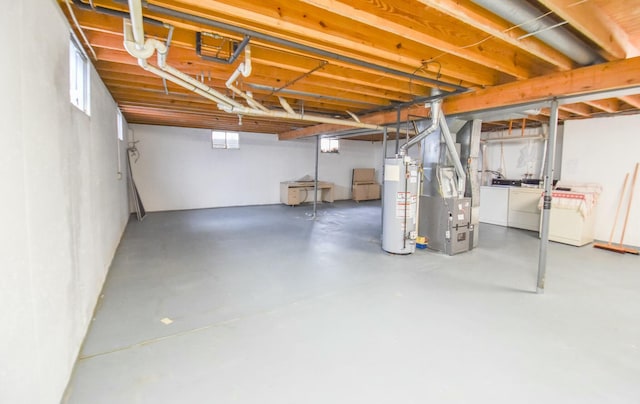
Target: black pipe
x,y
238,50
116,13
425,99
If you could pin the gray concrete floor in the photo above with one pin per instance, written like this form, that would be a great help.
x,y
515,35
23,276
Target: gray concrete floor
x,y
269,306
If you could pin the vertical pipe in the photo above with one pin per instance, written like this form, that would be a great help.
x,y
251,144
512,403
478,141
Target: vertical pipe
x,y
397,130
407,200
545,134
315,183
384,158
546,207
453,153
135,10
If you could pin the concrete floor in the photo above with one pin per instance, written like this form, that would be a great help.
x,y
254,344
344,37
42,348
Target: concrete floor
x,y
269,306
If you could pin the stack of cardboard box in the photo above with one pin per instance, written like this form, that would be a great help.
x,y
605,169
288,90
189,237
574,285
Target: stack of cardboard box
x,y
364,185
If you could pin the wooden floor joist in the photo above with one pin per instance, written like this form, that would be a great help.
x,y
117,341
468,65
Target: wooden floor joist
x,y
622,74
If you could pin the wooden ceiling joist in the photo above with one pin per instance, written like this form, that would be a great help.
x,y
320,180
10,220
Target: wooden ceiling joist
x,y
605,77
609,105
591,21
577,109
377,15
633,100
495,27
328,56
615,75
297,22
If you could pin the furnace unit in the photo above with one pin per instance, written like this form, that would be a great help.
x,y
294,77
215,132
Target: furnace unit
x,y
445,203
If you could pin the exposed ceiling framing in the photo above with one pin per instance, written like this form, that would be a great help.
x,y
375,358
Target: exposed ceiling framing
x,y
368,57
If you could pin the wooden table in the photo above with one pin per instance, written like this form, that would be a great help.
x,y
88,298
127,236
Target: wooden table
x,y
295,192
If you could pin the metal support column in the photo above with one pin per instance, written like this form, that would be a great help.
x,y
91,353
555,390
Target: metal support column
x,y
384,157
546,207
315,183
397,130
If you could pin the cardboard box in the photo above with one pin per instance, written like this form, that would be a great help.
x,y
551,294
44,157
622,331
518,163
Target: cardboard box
x,y
364,175
364,185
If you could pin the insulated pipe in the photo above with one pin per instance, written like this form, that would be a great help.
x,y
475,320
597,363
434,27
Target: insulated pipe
x,y
253,103
195,83
513,139
451,147
152,69
527,17
286,105
242,110
354,116
245,69
145,51
248,97
435,113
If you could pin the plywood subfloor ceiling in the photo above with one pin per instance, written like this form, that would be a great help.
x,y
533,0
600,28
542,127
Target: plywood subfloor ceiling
x,y
372,58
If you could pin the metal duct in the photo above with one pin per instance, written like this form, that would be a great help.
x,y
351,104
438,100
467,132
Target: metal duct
x,y
435,120
453,153
521,13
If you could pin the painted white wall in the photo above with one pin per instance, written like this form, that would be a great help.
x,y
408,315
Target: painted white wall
x,y
63,207
178,169
520,157
603,150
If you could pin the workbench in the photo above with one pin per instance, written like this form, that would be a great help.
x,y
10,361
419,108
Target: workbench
x,y
296,192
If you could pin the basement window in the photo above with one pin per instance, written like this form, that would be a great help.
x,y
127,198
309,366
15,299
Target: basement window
x,y
78,77
120,124
225,140
329,146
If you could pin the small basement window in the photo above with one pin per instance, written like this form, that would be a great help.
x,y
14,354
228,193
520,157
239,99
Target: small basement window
x,y
120,124
78,77
329,145
225,140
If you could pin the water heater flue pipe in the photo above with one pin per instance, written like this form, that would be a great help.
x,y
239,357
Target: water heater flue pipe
x,y
435,113
455,157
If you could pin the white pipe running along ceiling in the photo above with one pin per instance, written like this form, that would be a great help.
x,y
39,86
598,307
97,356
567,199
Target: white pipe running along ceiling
x,y
141,49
